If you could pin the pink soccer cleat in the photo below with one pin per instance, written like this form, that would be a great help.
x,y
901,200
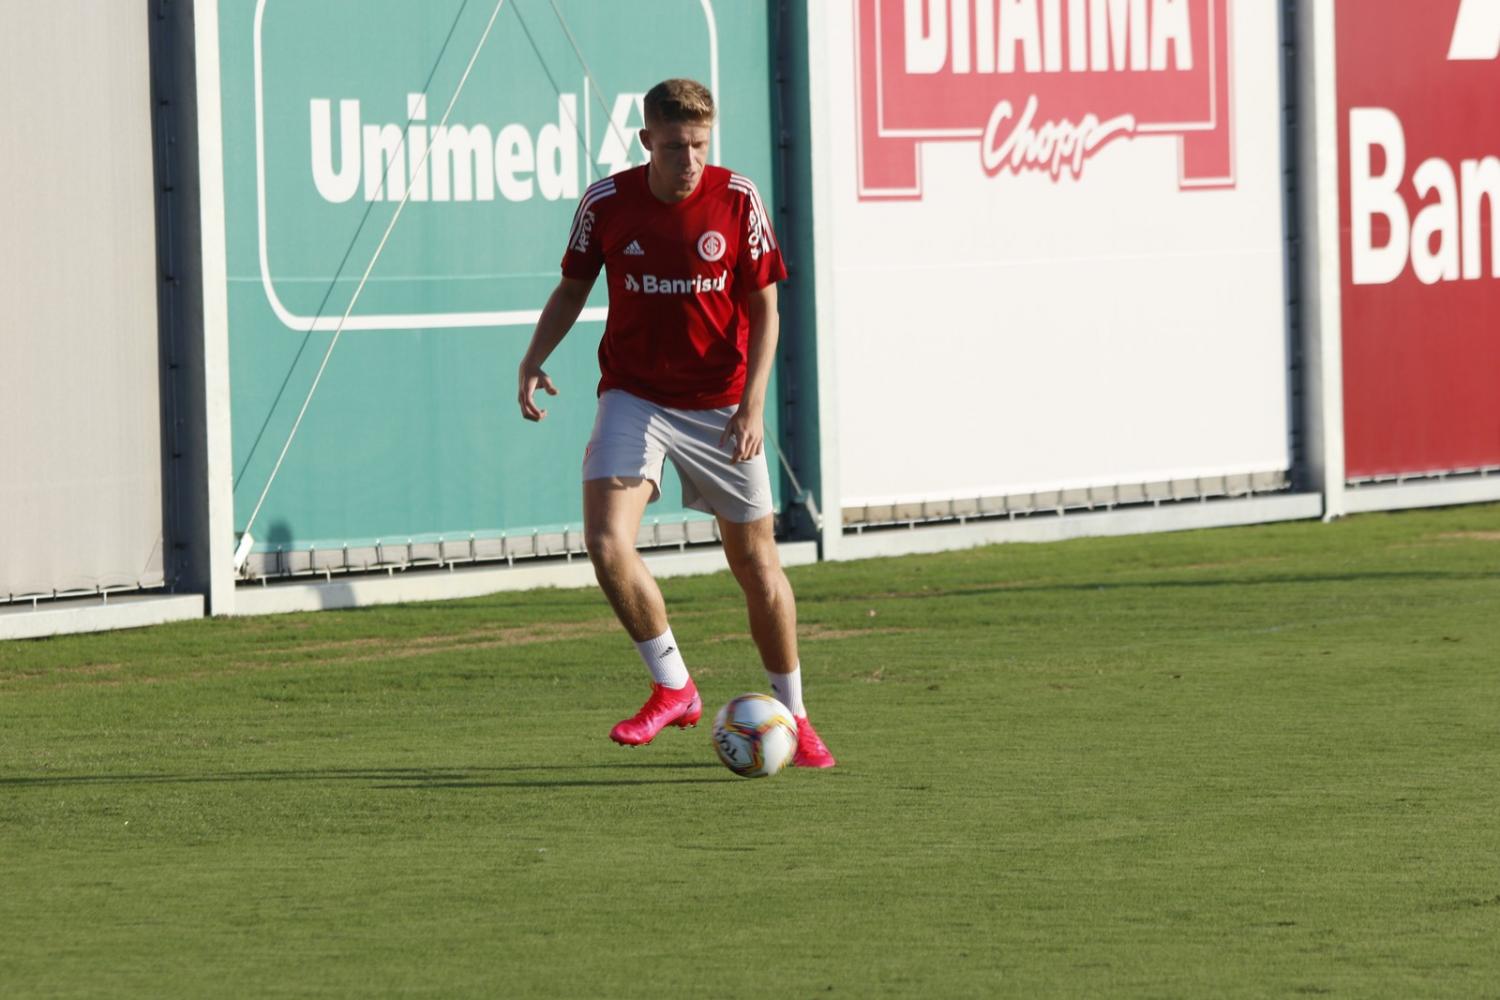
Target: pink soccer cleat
x,y
811,752
666,707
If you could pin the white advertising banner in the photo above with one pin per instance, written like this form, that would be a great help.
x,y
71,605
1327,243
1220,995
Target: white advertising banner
x,y
1053,236
80,405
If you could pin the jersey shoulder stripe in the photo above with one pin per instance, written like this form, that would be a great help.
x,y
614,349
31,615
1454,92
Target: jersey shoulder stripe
x,y
744,185
603,184
596,192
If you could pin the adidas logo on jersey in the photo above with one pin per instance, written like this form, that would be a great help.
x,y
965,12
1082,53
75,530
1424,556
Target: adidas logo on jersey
x,y
696,285
634,250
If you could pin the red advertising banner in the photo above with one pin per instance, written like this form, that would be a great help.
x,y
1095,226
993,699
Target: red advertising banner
x,y
1040,85
1419,186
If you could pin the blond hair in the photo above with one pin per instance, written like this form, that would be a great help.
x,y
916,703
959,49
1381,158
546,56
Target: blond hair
x,y
679,101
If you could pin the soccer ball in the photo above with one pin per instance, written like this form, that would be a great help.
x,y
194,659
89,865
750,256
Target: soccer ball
x,y
755,735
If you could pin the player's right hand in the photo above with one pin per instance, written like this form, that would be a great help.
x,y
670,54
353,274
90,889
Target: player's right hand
x,y
532,378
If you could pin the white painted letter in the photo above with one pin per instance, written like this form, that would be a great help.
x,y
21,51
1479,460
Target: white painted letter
x,y
1169,25
984,35
339,186
1052,35
1371,195
383,161
464,155
1481,182
1078,36
513,156
1439,219
960,10
557,152
926,51
1122,30
416,145
1018,24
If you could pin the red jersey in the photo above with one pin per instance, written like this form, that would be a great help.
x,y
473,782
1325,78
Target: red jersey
x,y
677,273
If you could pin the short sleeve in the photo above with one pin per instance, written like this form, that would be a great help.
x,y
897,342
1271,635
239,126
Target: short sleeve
x,y
759,263
584,256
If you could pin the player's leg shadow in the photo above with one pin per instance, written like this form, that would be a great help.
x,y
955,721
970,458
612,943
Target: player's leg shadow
x,y
387,777
555,783
546,776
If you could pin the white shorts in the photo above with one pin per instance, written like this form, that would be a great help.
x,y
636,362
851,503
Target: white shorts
x,y
632,437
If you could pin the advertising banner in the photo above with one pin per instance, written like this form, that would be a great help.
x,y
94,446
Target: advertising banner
x,y
1419,140
335,111
1057,239
934,72
81,497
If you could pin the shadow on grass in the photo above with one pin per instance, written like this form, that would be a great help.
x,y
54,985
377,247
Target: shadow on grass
x,y
1011,589
557,784
399,777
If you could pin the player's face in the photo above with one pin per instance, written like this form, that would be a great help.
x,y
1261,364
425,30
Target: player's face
x,y
678,152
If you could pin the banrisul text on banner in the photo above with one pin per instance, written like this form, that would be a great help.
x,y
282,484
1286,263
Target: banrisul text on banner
x,y
1441,231
1419,189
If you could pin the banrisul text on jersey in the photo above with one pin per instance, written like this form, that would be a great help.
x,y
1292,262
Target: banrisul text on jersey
x,y
677,274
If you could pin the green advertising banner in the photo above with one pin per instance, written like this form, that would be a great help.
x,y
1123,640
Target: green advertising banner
x,y
331,110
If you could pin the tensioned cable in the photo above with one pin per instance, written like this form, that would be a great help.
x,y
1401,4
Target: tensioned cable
x,y
592,167
243,552
338,272
589,74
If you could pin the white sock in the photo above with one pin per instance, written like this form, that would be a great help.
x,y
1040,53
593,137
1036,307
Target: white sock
x,y
664,661
788,690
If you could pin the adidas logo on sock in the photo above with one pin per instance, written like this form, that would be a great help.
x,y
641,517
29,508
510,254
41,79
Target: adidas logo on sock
x,y
634,250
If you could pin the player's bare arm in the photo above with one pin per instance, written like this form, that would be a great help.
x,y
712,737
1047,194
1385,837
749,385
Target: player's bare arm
x,y
747,427
558,317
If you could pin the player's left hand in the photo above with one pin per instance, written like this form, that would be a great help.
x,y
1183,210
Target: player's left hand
x,y
745,432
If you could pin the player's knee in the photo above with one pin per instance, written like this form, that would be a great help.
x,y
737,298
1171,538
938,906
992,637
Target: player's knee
x,y
760,573
607,548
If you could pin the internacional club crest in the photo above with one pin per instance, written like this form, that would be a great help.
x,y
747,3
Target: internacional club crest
x,y
711,246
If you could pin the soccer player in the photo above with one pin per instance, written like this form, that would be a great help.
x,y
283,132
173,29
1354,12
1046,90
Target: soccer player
x,y
691,265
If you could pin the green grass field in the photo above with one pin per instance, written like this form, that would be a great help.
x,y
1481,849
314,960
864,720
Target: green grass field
x,y
1246,762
